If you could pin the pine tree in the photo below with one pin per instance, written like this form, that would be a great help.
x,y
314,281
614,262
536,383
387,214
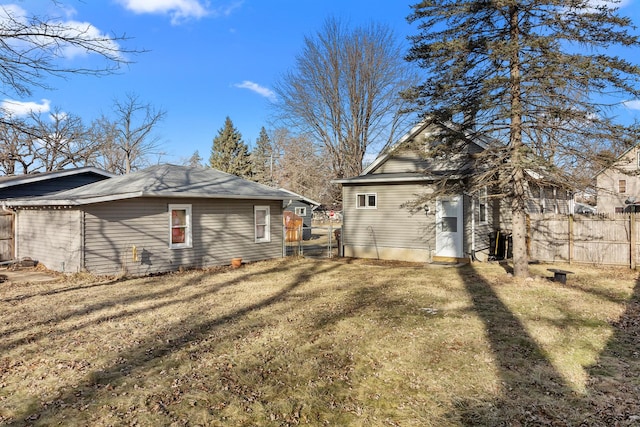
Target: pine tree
x,y
533,77
229,153
262,159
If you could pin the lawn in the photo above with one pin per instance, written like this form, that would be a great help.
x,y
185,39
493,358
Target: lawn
x,y
323,342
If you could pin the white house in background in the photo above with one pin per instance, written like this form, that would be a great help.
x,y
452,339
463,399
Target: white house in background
x,y
618,187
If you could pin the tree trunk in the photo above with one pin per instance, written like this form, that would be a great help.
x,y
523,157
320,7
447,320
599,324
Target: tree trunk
x,y
518,202
519,227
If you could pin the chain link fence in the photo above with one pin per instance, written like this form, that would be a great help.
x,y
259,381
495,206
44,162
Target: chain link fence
x,y
322,240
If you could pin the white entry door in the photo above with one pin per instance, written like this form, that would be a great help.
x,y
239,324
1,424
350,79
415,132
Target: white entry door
x,y
449,227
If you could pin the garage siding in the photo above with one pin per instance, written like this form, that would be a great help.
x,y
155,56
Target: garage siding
x,y
221,230
52,237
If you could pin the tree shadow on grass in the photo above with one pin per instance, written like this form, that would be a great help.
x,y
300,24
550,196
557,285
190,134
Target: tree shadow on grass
x,y
614,380
151,351
533,392
530,386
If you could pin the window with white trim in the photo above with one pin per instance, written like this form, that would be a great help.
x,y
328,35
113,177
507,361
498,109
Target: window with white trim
x,y
482,206
366,201
622,186
301,211
179,226
262,220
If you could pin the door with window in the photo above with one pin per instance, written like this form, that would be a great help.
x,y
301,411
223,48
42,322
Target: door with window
x,y
449,227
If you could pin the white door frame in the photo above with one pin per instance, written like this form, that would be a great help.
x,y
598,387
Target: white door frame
x,y
449,226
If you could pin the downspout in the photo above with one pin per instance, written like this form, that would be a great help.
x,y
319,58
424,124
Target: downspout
x,y
83,214
473,228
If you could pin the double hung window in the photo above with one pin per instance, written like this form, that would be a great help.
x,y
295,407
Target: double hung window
x,y
179,226
262,220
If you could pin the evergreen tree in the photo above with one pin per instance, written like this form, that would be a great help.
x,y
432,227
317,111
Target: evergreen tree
x,y
534,78
229,153
262,159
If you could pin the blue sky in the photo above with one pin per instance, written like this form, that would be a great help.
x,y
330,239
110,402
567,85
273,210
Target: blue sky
x,y
206,59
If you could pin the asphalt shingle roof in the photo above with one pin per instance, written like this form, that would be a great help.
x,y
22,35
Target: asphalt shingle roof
x,y
160,181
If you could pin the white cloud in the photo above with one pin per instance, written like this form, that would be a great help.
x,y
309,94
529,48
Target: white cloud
x,y
179,10
632,105
22,109
11,14
228,9
260,90
12,11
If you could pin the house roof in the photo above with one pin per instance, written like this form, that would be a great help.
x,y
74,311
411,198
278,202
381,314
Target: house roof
x,y
300,197
13,180
415,131
620,157
160,181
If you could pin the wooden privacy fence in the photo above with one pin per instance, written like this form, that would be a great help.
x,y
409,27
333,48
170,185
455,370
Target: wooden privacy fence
x,y
593,239
6,236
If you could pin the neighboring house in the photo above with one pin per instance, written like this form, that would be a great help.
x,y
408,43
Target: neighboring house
x,y
618,187
160,219
302,207
39,184
377,222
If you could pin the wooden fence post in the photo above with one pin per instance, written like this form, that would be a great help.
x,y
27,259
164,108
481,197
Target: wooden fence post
x,y
632,240
570,238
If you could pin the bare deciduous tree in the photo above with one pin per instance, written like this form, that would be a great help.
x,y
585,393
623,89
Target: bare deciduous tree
x,y
17,148
31,48
127,141
60,140
301,167
344,92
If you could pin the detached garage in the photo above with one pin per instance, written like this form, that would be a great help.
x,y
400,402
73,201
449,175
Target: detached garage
x,y
160,219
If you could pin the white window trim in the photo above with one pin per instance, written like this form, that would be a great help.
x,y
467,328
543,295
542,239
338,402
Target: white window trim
x,y
188,239
366,200
267,232
300,211
620,181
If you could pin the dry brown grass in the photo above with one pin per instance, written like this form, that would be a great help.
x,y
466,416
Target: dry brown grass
x,y
342,342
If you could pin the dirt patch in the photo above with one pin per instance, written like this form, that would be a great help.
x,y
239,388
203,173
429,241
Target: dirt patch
x,y
26,275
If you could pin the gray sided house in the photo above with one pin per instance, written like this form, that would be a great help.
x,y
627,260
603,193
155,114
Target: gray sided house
x,y
302,207
39,184
378,221
163,218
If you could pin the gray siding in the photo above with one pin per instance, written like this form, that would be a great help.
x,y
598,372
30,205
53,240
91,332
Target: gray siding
x,y
394,232
50,236
390,225
222,229
403,161
480,242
